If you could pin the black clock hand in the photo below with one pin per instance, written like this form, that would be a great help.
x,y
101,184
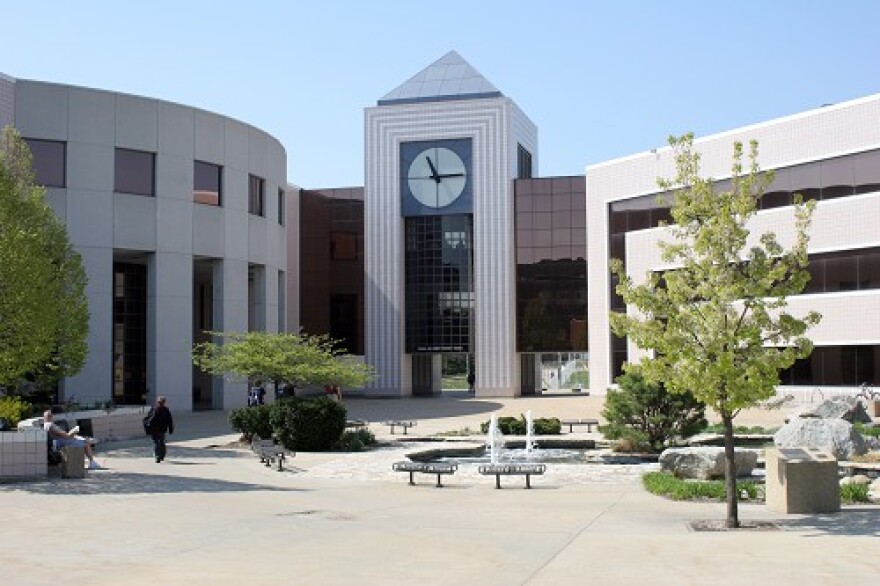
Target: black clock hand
x,y
445,175
434,174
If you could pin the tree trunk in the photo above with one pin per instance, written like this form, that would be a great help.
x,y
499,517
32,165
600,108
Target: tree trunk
x,y
730,473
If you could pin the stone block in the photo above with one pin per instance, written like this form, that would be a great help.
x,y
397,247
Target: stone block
x,y
802,480
73,462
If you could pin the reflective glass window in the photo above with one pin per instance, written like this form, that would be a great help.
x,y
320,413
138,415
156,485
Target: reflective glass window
x,y
207,183
135,172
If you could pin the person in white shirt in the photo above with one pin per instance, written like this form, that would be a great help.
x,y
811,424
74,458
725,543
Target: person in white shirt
x,y
69,438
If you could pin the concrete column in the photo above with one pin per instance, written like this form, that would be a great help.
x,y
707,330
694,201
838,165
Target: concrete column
x,y
230,315
436,373
169,327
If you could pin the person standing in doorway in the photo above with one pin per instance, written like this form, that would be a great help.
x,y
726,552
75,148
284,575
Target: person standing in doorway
x,y
160,424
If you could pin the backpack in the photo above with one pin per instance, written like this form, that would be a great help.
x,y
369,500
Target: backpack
x,y
148,422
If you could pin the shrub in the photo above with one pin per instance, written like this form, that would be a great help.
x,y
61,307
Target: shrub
x,y
854,493
868,430
13,409
648,414
308,424
740,429
356,440
518,426
252,422
666,484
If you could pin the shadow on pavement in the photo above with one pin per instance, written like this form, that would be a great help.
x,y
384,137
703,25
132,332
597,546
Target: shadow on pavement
x,y
853,521
174,452
109,482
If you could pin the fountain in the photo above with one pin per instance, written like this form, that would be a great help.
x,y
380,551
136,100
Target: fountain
x,y
530,433
494,440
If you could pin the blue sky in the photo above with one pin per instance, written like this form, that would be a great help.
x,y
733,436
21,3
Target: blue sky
x,y
600,79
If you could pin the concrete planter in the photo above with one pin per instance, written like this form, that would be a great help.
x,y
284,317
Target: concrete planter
x,y
22,454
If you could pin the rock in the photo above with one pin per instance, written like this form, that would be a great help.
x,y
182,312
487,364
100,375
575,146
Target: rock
x,y
846,408
857,479
705,463
830,435
875,485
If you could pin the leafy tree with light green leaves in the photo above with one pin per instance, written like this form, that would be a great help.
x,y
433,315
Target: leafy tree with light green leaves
x,y
291,358
43,305
717,323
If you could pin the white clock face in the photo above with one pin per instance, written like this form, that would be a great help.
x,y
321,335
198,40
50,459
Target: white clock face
x,y
436,177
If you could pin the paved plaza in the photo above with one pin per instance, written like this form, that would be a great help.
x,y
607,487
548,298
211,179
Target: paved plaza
x,y
212,514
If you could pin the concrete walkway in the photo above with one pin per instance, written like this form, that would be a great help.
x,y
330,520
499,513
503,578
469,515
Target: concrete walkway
x,y
211,514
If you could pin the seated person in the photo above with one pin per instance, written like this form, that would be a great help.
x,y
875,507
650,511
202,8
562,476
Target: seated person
x,y
64,438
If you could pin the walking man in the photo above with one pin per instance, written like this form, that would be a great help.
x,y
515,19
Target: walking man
x,y
161,423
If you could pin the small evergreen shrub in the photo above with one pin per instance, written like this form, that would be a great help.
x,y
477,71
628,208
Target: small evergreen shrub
x,y
647,414
308,424
741,429
854,493
356,440
13,409
518,426
252,422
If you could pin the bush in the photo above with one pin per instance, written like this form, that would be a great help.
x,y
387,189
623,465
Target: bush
x,y
867,430
356,440
13,409
252,422
854,493
666,484
308,424
647,414
518,426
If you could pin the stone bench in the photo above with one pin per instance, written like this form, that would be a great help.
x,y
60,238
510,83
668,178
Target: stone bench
x,y
869,469
404,424
270,453
438,468
356,423
572,422
499,470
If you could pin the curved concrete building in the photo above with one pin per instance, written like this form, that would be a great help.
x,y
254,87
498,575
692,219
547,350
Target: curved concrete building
x,y
178,214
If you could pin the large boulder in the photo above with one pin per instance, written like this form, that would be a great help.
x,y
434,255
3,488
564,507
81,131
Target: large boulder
x,y
846,408
830,435
705,463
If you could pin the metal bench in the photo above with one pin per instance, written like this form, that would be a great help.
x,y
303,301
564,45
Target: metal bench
x,y
404,424
270,453
572,422
499,470
438,468
356,423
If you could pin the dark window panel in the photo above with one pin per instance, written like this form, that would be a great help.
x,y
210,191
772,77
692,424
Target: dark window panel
x,y
775,199
49,162
135,172
869,270
281,206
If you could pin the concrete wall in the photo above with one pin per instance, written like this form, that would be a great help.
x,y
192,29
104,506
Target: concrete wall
x,y
494,125
167,230
841,224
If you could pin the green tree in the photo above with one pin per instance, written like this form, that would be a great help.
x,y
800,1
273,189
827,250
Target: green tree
x,y
43,305
297,359
717,323
648,414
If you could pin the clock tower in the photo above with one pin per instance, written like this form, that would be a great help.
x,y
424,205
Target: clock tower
x,y
440,159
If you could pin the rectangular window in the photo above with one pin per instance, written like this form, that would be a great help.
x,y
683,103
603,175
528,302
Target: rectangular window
x,y
207,183
135,172
280,206
256,195
49,162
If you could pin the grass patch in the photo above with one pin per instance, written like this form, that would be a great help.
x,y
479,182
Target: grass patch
x,y
666,484
455,382
854,493
466,431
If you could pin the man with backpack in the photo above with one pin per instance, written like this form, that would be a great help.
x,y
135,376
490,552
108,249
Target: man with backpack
x,y
157,423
